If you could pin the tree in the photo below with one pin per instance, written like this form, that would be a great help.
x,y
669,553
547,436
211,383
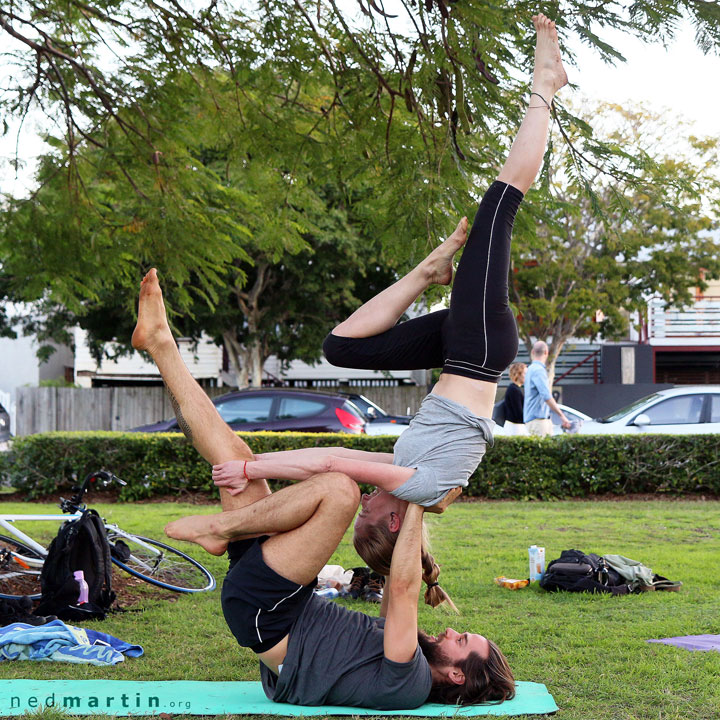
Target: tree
x,y
458,69
288,256
654,238
405,116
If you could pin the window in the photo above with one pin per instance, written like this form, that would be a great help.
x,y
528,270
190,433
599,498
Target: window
x,y
677,411
245,409
628,409
299,408
715,408
571,416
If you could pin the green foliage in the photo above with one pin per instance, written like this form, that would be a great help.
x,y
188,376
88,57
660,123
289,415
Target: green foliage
x,y
651,236
151,463
521,468
586,465
57,382
7,460
258,242
227,144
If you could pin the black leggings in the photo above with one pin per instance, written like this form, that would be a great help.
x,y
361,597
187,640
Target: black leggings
x,y
477,336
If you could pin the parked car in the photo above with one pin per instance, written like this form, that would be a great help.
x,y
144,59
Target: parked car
x,y
378,422
576,417
279,410
680,410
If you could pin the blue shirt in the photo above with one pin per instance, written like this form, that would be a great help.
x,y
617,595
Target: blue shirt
x,y
537,391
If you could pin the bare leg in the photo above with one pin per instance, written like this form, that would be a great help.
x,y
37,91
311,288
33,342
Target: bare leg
x,y
526,154
196,414
309,519
385,309
520,169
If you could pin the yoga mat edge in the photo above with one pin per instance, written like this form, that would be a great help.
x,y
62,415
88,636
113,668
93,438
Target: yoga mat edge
x,y
179,697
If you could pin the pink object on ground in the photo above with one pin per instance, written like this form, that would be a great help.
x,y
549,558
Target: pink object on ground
x,y
79,575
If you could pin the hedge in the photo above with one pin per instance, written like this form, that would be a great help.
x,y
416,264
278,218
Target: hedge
x,y
519,467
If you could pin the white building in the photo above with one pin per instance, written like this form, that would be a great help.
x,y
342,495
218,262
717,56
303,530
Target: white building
x,y
204,361
208,366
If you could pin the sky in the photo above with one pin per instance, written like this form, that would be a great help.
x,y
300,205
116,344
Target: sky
x,y
678,79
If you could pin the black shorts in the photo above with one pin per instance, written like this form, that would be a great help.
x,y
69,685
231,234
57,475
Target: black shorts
x,y
260,606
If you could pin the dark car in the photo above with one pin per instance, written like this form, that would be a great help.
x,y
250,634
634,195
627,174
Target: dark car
x,y
279,410
373,412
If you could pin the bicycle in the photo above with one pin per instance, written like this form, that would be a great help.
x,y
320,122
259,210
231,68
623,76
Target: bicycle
x,y
155,562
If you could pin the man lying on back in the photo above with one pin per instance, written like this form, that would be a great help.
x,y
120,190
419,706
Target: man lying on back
x,y
313,651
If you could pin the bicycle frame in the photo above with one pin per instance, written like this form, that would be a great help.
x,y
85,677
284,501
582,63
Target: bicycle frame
x,y
6,522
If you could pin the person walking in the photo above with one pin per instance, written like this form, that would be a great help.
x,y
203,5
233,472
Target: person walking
x,y
514,400
538,397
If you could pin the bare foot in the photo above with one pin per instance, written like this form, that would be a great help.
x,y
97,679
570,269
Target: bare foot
x,y
197,529
152,329
438,264
549,74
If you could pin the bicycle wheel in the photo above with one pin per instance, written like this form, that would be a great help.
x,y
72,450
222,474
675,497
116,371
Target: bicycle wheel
x,y
162,565
15,580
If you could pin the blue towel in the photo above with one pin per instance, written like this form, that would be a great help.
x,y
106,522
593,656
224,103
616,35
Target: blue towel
x,y
56,641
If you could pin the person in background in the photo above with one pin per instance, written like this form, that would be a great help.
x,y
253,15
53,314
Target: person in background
x,y
538,398
515,400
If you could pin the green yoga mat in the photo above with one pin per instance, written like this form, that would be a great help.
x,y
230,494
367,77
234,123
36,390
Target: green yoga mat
x,y
178,697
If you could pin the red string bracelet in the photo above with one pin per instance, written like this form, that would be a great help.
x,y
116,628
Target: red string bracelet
x,y
245,470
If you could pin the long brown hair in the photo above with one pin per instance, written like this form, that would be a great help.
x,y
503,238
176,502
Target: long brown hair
x,y
375,546
486,681
515,370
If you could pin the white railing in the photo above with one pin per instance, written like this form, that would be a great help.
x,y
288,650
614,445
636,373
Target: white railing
x,y
700,320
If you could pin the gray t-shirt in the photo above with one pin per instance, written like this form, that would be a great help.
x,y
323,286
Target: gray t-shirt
x,y
445,442
335,657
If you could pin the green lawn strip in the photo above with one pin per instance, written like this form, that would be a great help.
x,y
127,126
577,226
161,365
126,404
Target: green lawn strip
x,y
590,651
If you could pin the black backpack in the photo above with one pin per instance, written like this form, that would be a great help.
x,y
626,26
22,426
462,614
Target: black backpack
x,y
577,571
79,545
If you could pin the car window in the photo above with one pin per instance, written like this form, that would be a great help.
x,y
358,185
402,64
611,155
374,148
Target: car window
x,y
299,408
676,411
715,408
353,408
245,409
367,406
569,414
628,409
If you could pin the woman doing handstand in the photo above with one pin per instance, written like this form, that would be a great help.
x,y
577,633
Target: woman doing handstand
x,y
473,342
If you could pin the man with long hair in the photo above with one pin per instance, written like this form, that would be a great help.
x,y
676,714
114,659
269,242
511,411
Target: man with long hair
x,y
311,650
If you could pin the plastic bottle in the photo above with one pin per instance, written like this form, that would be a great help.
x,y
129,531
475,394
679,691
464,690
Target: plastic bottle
x,y
79,575
329,593
536,556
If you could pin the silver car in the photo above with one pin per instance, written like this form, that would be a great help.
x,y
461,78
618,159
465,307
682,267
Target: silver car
x,y
685,410
576,417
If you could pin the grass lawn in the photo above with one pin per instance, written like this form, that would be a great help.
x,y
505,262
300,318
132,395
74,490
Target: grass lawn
x,y
589,650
